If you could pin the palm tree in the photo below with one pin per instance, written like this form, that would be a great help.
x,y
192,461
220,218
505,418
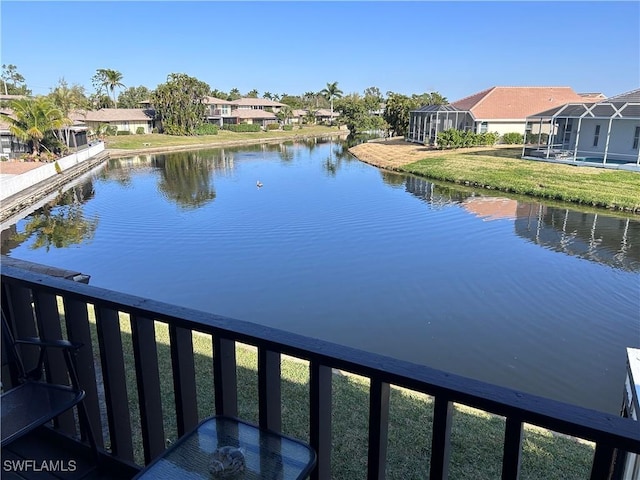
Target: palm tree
x,y
34,119
330,92
310,116
68,99
109,79
308,97
285,114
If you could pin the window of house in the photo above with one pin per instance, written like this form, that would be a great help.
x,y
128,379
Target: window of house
x,y
636,138
596,136
484,127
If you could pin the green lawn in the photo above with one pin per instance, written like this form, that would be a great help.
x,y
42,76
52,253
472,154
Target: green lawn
x,y
133,142
476,436
504,170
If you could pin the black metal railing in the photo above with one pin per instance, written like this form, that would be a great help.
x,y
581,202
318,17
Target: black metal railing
x,y
33,301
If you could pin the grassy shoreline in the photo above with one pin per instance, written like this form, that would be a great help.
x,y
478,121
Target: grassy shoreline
x,y
503,170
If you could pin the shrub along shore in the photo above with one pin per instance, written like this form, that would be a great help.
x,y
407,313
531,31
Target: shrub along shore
x,y
501,168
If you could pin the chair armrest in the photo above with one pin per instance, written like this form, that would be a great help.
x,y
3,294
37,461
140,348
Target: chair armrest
x,y
65,344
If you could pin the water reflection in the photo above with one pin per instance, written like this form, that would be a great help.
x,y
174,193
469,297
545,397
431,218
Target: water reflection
x,y
186,178
599,238
339,154
60,223
435,195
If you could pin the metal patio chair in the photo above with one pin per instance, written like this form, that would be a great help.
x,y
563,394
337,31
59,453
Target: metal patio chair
x,y
33,401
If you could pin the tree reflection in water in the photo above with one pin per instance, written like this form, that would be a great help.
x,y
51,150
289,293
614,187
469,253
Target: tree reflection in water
x,y
60,223
186,179
339,152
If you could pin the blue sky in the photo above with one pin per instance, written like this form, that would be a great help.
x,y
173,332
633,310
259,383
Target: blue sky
x,y
455,48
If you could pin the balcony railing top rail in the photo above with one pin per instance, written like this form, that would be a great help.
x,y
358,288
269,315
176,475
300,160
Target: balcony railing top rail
x,y
609,432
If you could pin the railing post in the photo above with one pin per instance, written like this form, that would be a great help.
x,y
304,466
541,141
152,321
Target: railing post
x,y
115,382
441,435
602,465
269,390
378,429
145,353
16,304
512,449
184,378
320,418
225,377
77,320
48,318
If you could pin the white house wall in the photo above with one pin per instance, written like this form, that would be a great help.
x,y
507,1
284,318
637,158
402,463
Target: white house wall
x,y
502,127
129,126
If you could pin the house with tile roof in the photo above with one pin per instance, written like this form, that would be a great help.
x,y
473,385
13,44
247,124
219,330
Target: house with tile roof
x,y
497,109
11,146
322,115
217,110
604,132
250,103
123,119
243,110
251,116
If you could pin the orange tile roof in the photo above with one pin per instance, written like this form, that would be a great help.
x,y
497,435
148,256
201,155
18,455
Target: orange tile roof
x,y
216,101
515,102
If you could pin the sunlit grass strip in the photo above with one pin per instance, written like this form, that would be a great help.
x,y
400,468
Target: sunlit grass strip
x,y
156,140
476,436
503,170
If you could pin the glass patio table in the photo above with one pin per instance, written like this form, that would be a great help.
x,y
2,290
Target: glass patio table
x,y
268,455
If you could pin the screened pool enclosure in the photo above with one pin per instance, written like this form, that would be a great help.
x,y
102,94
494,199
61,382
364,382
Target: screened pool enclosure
x,y
605,132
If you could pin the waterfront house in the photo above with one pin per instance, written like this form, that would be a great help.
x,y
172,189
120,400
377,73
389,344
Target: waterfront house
x,y
251,116
605,131
217,110
497,109
123,119
297,115
245,110
322,115
250,103
10,145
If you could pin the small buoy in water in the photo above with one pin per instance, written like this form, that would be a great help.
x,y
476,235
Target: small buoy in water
x,y
258,184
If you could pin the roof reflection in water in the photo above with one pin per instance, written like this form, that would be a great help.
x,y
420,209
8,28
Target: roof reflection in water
x,y
598,237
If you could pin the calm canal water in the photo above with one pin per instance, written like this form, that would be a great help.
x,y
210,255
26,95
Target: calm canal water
x,y
523,294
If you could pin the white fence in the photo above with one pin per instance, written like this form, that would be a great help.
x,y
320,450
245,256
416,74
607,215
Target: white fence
x,y
17,183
